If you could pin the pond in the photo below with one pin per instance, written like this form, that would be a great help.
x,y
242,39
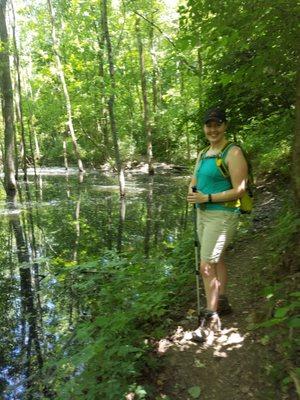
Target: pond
x,y
63,220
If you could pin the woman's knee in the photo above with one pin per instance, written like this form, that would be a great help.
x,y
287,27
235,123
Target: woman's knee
x,y
207,269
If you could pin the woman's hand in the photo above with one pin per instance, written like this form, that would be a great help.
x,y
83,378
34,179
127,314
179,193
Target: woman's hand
x,y
197,197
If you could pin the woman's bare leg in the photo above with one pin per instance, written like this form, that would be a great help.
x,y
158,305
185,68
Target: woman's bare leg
x,y
221,272
211,284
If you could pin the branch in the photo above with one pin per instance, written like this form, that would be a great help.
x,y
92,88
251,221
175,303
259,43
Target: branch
x,y
183,59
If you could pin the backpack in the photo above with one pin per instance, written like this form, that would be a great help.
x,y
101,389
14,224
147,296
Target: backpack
x,y
245,203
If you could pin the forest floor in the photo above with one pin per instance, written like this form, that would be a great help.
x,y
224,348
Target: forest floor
x,y
236,364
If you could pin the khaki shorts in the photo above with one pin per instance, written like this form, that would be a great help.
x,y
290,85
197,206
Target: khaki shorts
x,y
215,231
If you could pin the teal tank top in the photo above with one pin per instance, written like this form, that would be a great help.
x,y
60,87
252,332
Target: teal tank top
x,y
210,180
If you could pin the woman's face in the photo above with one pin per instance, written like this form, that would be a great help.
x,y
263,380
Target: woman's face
x,y
215,131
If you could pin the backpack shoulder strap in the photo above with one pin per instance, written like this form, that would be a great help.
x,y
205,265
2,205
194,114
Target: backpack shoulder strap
x,y
199,158
220,159
226,148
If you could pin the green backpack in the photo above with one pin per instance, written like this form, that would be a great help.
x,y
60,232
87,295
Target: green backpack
x,y
246,202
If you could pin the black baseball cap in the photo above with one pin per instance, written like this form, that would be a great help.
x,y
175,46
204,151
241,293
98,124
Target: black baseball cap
x,y
214,114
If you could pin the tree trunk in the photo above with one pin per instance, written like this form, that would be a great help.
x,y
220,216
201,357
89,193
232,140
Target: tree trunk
x,y
185,126
155,72
31,126
32,150
111,100
7,106
103,104
296,147
147,126
65,154
64,86
200,88
19,103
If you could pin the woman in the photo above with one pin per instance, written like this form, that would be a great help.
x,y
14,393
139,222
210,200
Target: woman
x,y
217,213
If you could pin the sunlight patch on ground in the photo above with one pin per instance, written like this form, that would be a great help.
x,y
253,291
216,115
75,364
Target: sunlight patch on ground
x,y
222,342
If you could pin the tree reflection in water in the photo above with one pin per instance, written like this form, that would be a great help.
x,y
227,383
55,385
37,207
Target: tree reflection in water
x,y
54,225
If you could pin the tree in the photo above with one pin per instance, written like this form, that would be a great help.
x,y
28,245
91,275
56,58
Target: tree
x,y
146,117
111,101
7,105
61,74
19,100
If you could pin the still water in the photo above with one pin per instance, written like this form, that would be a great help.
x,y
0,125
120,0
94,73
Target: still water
x,y
65,220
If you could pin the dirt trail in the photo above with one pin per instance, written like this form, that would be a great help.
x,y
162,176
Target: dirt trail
x,y
237,363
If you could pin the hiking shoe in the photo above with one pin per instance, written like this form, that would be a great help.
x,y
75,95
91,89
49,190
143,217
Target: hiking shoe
x,y
212,321
224,308
209,322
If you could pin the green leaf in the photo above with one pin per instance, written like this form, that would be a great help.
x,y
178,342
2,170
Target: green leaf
x,y
281,312
295,294
265,340
141,392
194,391
269,323
287,380
199,364
294,322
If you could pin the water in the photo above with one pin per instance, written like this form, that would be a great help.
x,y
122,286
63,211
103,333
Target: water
x,y
59,222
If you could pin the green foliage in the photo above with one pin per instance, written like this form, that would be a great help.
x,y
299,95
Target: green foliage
x,y
268,142
281,293
125,302
194,392
214,54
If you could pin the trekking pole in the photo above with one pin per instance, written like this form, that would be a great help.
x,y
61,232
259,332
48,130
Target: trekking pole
x,y
197,248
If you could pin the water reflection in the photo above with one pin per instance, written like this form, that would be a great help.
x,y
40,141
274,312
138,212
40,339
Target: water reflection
x,y
59,221
28,349
149,216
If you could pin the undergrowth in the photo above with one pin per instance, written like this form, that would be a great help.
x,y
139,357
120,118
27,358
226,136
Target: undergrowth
x,y
280,325
126,301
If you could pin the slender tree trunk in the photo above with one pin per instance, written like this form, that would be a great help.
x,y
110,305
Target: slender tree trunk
x,y
65,153
64,86
19,102
184,108
104,114
111,100
7,105
155,80
154,71
32,150
31,125
36,143
200,86
146,119
296,147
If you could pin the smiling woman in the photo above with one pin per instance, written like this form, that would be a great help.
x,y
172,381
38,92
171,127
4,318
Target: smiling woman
x,y
217,213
